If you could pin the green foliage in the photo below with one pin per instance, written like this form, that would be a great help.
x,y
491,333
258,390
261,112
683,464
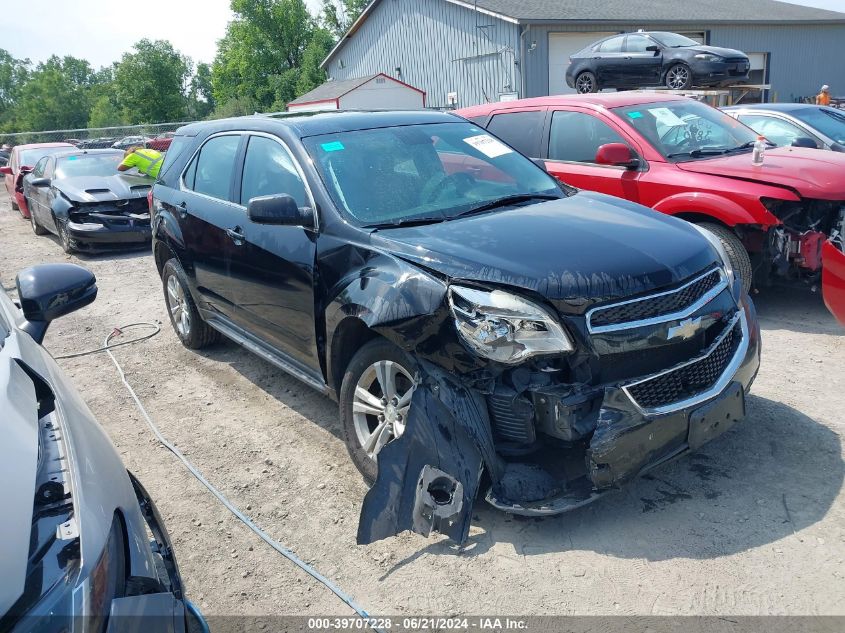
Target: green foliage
x,y
201,96
13,74
105,113
262,52
150,83
237,106
338,15
55,96
310,73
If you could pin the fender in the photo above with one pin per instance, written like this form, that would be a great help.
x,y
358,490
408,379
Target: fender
x,y
400,301
166,229
720,208
61,206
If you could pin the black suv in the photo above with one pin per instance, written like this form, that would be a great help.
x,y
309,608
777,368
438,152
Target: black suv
x,y
477,322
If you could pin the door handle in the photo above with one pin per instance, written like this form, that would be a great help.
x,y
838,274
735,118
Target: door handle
x,y
236,235
182,208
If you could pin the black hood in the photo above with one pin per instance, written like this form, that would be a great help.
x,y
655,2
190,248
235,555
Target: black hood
x,y
103,188
586,248
717,50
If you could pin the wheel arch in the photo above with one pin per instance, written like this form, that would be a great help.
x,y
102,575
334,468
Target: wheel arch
x,y
707,207
349,336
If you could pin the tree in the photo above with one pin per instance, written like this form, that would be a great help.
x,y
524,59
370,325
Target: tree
x,y
260,56
338,15
55,95
150,83
13,75
105,113
201,96
310,73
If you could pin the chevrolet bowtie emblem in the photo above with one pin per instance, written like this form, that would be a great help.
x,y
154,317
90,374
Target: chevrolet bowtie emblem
x,y
685,329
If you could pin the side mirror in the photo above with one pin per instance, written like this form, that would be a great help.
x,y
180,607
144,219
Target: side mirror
x,y
618,155
280,210
49,291
836,147
805,141
25,169
40,182
6,171
654,48
541,164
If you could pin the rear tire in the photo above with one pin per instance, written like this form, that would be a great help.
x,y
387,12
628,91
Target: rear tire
x,y
586,82
36,228
740,260
184,316
377,362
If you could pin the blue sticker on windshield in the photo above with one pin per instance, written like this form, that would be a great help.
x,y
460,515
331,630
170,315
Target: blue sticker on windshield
x,y
635,115
72,157
334,146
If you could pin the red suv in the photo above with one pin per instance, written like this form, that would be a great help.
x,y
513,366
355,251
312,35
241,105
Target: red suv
x,y
684,158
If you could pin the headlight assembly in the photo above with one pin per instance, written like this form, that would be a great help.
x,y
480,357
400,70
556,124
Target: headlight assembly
x,y
504,327
707,57
723,254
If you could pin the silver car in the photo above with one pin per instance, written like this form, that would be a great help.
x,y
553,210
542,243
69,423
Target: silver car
x,y
795,124
82,547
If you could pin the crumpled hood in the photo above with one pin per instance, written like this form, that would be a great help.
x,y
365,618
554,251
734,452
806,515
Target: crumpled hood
x,y
103,188
812,173
587,247
718,50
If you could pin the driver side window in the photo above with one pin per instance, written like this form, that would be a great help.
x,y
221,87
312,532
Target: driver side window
x,y
778,131
577,136
269,170
38,171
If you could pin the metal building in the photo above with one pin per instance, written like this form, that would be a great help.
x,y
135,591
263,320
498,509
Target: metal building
x,y
468,52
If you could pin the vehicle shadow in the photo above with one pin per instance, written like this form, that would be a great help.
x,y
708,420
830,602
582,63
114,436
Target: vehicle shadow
x,y
796,310
286,389
773,475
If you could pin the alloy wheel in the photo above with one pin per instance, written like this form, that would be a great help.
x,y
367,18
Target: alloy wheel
x,y
63,236
380,405
584,84
178,307
678,77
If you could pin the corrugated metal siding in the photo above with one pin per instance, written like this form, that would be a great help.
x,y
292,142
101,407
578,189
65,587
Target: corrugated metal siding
x,y
802,57
440,47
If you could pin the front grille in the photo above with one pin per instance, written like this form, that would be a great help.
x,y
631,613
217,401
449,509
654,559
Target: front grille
x,y
689,380
663,304
736,60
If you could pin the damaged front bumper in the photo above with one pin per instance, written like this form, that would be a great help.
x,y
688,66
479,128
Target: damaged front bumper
x,y
107,231
429,478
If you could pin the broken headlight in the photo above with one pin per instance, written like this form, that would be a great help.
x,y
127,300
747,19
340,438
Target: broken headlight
x,y
716,243
505,328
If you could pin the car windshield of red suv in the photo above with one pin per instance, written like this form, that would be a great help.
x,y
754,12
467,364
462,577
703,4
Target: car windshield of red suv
x,y
687,130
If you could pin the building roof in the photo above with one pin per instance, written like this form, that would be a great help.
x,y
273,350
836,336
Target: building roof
x,y
649,11
332,90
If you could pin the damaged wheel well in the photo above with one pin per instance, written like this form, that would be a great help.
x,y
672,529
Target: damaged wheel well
x,y
162,254
697,218
351,334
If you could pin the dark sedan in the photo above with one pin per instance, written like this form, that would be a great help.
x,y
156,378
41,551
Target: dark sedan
x,y
636,60
82,198
798,124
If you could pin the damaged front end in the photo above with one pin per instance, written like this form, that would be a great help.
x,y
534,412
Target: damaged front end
x,y
643,381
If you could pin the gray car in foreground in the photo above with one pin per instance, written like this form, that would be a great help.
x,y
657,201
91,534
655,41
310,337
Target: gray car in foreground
x,y
82,547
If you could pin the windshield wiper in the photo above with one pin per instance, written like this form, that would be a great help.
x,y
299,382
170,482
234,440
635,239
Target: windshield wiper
x,y
406,222
697,153
506,201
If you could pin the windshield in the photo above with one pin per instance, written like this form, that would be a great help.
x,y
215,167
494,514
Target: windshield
x,y
673,40
430,172
828,121
31,156
687,130
88,165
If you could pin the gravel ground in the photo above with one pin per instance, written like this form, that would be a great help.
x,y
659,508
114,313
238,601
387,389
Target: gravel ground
x,y
752,524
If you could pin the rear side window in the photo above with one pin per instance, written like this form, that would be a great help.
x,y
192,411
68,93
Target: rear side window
x,y
577,136
215,166
269,170
520,130
613,45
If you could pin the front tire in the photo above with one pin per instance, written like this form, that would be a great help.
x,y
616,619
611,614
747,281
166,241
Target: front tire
x,y
184,316
375,397
64,237
679,77
740,260
586,83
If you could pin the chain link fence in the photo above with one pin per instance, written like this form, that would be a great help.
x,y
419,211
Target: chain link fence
x,y
156,136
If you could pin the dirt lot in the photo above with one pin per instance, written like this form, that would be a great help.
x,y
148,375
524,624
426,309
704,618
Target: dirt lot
x,y
753,524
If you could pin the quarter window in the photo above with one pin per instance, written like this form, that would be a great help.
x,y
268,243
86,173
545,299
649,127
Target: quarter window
x,y
520,130
211,171
576,136
269,169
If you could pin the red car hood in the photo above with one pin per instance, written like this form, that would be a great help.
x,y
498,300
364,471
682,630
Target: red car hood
x,y
812,173
833,280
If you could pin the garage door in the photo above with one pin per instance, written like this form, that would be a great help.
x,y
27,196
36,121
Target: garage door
x,y
561,46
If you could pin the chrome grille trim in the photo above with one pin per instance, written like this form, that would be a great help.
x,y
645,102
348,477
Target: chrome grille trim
x,y
663,318
718,386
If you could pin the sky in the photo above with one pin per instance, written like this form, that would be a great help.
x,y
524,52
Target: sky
x,y
102,30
